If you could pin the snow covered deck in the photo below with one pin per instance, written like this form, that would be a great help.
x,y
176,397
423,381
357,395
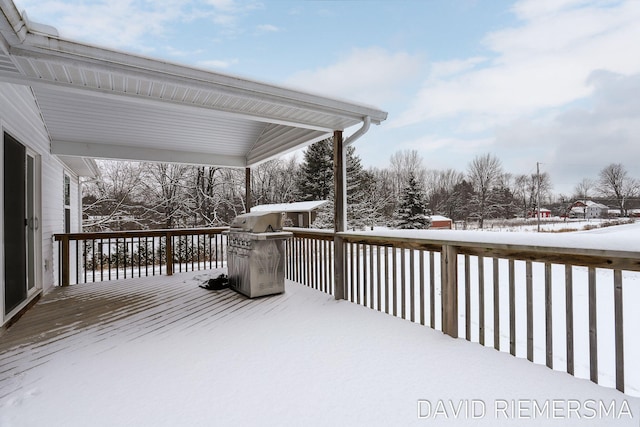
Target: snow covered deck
x,y
162,351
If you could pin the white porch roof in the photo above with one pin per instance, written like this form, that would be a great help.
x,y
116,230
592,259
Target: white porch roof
x,y
101,103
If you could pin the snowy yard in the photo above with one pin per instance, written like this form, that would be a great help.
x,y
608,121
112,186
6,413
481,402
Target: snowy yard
x,y
176,354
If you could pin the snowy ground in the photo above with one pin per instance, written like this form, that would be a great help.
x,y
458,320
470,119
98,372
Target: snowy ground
x,y
300,358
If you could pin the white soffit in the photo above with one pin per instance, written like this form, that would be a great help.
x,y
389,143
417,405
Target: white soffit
x,y
100,103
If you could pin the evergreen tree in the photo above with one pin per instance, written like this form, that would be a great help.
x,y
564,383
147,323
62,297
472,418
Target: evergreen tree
x,y
324,218
412,211
460,201
315,181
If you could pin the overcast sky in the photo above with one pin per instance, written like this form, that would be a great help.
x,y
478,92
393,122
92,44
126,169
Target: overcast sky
x,y
549,81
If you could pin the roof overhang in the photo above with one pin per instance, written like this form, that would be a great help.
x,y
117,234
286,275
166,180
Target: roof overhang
x,y
100,103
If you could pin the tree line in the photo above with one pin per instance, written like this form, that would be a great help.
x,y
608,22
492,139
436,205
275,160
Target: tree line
x,y
138,195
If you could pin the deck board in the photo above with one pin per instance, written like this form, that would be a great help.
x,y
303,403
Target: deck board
x,y
84,315
298,358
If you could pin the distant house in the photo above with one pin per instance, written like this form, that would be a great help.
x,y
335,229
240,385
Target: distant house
x,y
588,209
544,213
297,214
439,222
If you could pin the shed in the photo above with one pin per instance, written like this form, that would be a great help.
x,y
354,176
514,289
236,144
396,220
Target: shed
x,y
299,214
439,222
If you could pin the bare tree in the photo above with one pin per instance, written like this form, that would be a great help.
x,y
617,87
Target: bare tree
x,y
614,182
274,181
525,191
165,185
383,196
484,173
113,198
404,164
440,187
583,189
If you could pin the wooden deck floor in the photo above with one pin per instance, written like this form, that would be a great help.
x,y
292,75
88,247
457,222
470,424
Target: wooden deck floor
x,y
66,319
162,351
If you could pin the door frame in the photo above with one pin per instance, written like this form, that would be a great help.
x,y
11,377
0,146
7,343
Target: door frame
x,y
33,272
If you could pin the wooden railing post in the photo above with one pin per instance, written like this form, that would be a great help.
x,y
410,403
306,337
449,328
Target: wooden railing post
x,y
65,271
169,250
449,274
338,267
339,210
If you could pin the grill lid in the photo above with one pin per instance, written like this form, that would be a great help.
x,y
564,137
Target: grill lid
x,y
258,222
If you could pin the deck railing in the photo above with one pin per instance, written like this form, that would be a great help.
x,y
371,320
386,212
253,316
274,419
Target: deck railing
x,y
543,302
556,305
94,257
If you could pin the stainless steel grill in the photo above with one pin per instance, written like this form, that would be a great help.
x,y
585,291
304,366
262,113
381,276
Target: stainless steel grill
x,y
255,251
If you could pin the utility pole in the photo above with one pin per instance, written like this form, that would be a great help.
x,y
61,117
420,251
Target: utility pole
x,y
538,192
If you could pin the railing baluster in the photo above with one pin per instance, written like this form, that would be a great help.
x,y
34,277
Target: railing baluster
x,y
101,260
352,275
379,276
395,283
481,326
412,285
386,279
449,272
496,304
568,279
619,330
371,279
403,297
467,298
333,255
93,260
512,308
548,311
529,297
593,327
317,256
84,260
422,293
365,284
432,291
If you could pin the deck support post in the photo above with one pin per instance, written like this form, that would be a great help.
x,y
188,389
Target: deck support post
x,y
449,259
247,189
339,211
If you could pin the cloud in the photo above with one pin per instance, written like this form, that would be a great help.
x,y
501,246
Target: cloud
x,y
135,24
217,64
114,23
581,141
268,28
373,75
543,63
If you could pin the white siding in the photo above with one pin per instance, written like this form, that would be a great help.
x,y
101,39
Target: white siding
x,y
20,117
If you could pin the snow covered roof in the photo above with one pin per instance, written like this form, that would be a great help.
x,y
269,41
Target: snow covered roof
x,y
591,204
290,207
102,103
439,218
